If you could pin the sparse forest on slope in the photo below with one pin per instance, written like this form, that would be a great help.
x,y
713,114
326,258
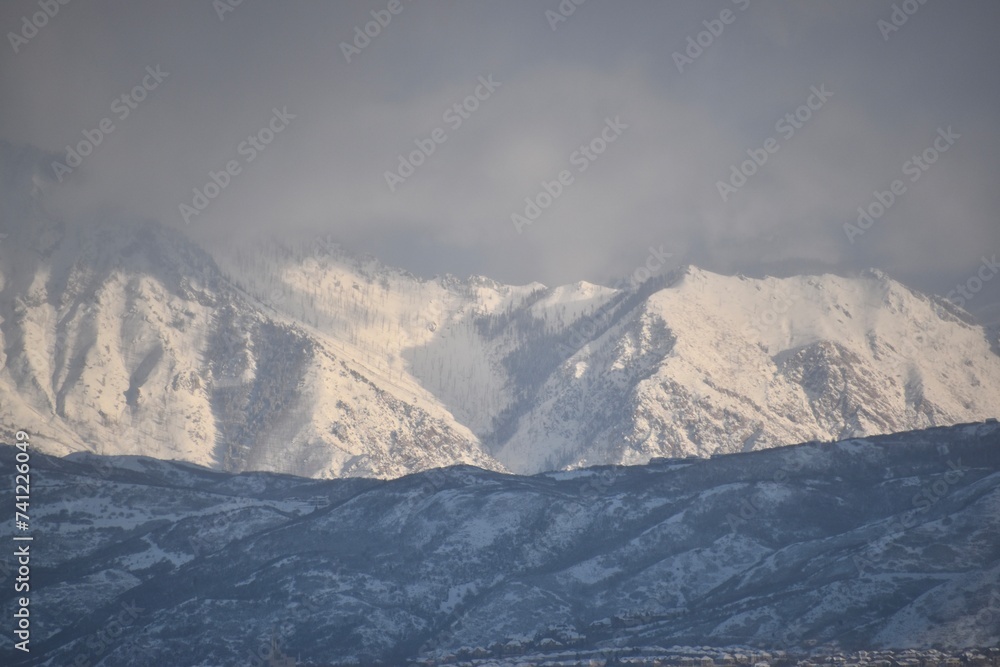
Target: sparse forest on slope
x,y
887,542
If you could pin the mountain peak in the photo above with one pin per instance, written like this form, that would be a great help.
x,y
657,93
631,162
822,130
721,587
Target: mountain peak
x,y
134,338
876,274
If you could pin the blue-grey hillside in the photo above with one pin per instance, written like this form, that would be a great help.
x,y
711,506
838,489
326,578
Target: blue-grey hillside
x,y
890,541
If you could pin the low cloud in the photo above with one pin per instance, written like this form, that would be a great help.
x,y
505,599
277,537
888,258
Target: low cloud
x,y
656,185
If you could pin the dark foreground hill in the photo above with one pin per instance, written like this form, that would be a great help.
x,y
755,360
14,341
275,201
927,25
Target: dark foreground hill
x,y
885,542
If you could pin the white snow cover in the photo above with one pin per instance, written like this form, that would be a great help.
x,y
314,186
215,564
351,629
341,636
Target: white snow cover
x,y
307,359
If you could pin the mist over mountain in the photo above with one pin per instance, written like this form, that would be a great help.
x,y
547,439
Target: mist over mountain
x,y
494,334
127,338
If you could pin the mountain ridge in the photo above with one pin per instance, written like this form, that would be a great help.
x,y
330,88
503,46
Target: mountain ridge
x,y
124,337
886,542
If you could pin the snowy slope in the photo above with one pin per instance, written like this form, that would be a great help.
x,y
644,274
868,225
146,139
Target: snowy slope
x,y
727,364
126,339
689,363
410,332
887,542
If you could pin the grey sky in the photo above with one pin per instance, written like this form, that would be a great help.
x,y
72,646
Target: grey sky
x,y
656,184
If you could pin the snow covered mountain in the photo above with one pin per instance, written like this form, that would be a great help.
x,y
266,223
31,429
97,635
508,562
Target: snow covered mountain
x,y
727,364
299,357
883,542
126,339
688,363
